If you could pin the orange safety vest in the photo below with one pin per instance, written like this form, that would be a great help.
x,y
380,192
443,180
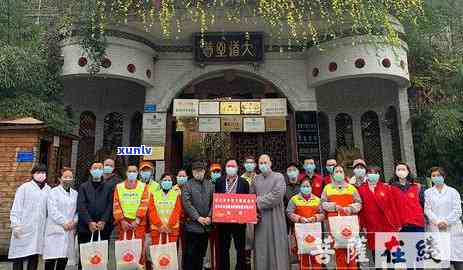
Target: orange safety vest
x,y
306,208
342,196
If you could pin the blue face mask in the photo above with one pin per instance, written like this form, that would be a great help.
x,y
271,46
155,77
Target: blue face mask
x,y
330,169
373,178
292,174
181,180
146,175
166,184
438,180
96,173
306,190
132,176
359,172
249,167
310,168
216,175
264,168
108,169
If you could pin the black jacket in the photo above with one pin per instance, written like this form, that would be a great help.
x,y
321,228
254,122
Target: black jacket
x,y
95,203
242,187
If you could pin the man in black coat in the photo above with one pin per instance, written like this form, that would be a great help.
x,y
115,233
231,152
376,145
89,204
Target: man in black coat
x,y
233,184
95,206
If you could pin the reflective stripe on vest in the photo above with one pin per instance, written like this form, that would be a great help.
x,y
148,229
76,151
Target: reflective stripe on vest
x,y
130,199
165,204
306,208
341,196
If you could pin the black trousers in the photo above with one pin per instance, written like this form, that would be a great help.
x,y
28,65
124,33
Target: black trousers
x,y
196,247
58,264
32,262
227,232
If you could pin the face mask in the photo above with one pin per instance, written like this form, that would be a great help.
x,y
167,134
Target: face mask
x,y
216,175
330,169
96,173
231,171
249,167
373,178
306,190
146,175
39,177
166,184
132,176
359,172
108,169
67,183
402,174
264,168
438,180
292,174
310,168
338,177
198,175
181,180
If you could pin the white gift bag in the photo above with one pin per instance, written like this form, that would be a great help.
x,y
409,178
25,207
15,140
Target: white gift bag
x,y
128,253
164,256
94,255
308,236
344,229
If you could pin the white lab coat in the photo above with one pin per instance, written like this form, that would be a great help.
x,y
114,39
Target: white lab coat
x,y
446,206
61,208
27,217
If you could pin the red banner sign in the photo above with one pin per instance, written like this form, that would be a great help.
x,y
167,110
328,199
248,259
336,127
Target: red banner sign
x,y
234,208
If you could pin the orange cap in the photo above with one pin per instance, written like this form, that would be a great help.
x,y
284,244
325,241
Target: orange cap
x,y
215,166
145,164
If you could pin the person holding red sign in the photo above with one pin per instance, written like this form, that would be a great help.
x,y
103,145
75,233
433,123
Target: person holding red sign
x,y
231,183
305,207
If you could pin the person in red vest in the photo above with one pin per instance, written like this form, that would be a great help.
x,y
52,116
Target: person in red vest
x,y
380,210
411,195
309,173
339,198
305,207
330,164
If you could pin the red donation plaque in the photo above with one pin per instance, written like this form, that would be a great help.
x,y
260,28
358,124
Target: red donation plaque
x,y
234,208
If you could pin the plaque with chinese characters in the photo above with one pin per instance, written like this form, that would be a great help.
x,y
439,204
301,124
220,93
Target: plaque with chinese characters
x,y
231,124
250,107
229,47
230,107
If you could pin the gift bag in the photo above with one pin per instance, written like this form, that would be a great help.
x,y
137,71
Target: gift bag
x,y
343,229
94,255
128,253
164,256
308,236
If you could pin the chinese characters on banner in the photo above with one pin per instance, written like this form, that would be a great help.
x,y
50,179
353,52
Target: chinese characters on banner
x,y
234,208
412,250
307,137
229,47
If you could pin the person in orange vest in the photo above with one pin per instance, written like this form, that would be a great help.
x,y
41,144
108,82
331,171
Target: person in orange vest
x,y
165,210
340,198
130,206
305,207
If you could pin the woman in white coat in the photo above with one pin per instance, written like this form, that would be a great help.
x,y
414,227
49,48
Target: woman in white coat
x,y
27,218
60,229
443,209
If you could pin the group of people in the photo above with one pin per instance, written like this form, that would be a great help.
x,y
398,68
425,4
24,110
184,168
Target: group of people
x,y
178,208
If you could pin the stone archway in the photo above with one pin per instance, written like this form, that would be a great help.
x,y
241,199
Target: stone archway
x,y
248,70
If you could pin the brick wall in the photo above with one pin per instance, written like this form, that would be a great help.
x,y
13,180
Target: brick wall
x,y
13,174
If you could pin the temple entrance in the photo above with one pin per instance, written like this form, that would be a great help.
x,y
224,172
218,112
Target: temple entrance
x,y
188,143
